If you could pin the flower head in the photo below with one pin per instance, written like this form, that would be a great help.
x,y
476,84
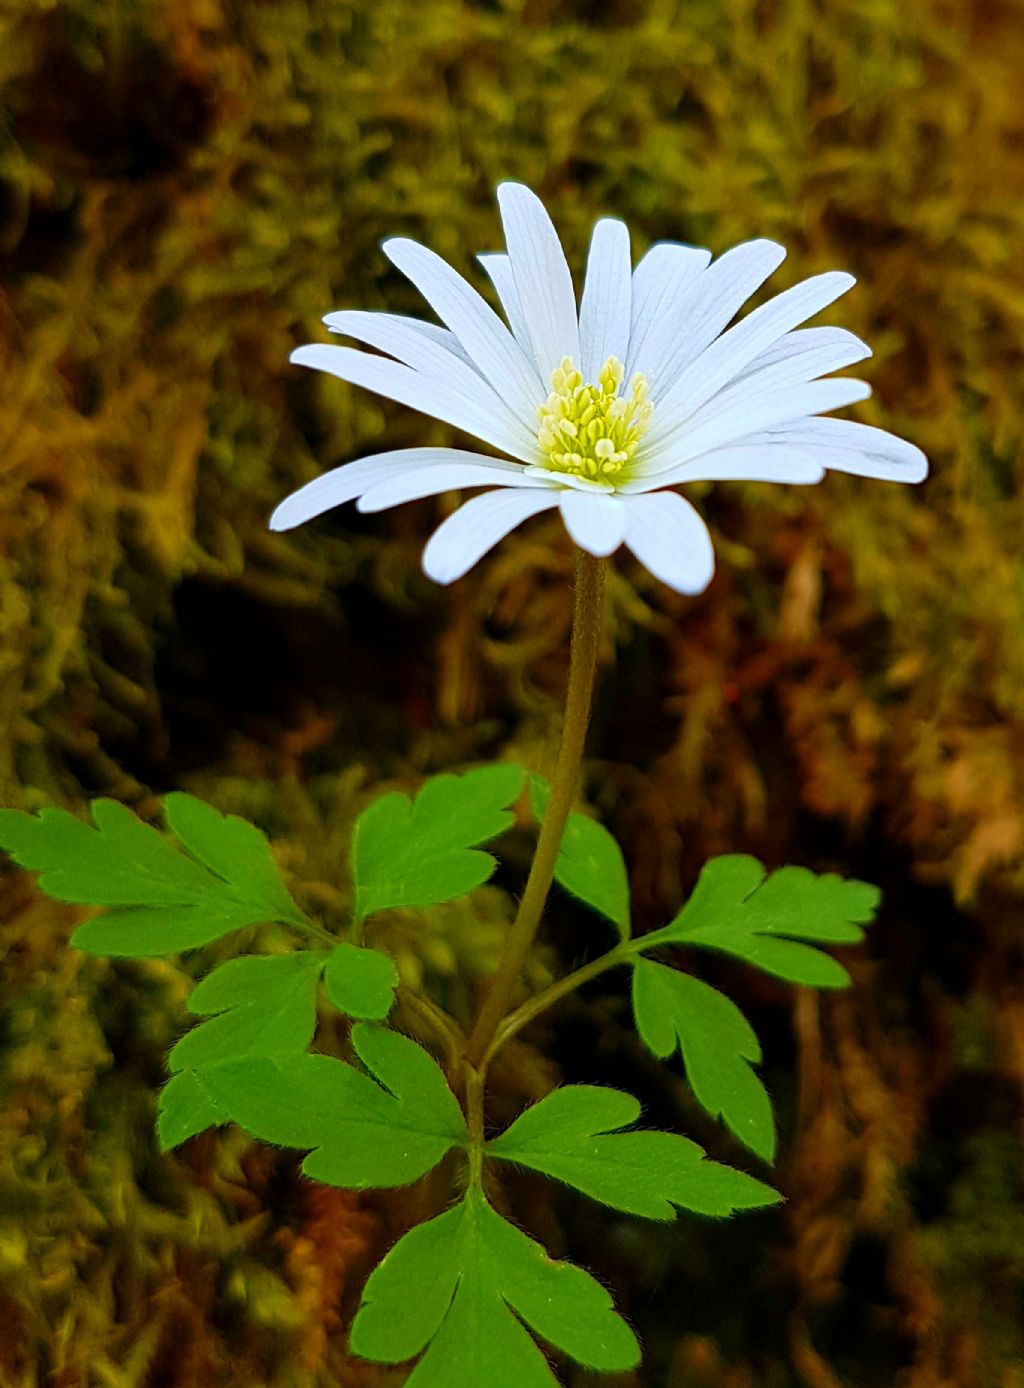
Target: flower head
x,y
601,411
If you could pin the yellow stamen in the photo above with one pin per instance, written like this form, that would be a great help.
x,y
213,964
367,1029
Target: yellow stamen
x,y
591,431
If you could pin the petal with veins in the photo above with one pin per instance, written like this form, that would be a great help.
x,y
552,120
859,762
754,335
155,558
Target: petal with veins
x,y
797,368
433,332
543,281
477,526
489,344
444,477
597,523
411,346
816,344
668,537
720,423
498,268
780,373
432,393
745,462
351,480
726,357
843,445
607,294
711,302
660,280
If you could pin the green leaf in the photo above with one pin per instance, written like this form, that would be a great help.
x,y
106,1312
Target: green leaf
x,y
462,1287
736,908
259,1005
262,1004
120,862
386,1131
421,852
184,1109
718,1046
159,899
291,1100
360,982
233,849
567,1135
590,865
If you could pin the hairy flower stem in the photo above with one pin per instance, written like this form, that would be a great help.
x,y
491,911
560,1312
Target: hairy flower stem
x,y
586,634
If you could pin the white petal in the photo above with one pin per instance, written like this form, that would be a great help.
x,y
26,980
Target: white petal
x,y
566,479
607,294
711,303
597,523
498,268
798,367
746,462
477,526
730,422
433,332
444,477
350,480
434,394
727,356
668,536
811,352
843,445
490,345
661,279
405,340
780,372
542,277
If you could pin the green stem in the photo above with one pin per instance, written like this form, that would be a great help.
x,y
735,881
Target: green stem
x,y
474,1092
446,1029
586,633
540,1002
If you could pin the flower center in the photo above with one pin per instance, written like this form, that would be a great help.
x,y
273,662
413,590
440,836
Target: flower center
x,y
591,431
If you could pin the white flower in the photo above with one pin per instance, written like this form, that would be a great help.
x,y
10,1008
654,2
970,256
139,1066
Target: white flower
x,y
607,409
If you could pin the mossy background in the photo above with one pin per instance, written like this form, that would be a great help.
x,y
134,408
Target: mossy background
x,y
185,187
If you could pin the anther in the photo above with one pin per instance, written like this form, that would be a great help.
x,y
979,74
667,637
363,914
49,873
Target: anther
x,y
602,427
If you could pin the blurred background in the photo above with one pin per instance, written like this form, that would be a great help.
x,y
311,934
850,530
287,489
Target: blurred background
x,y
186,186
